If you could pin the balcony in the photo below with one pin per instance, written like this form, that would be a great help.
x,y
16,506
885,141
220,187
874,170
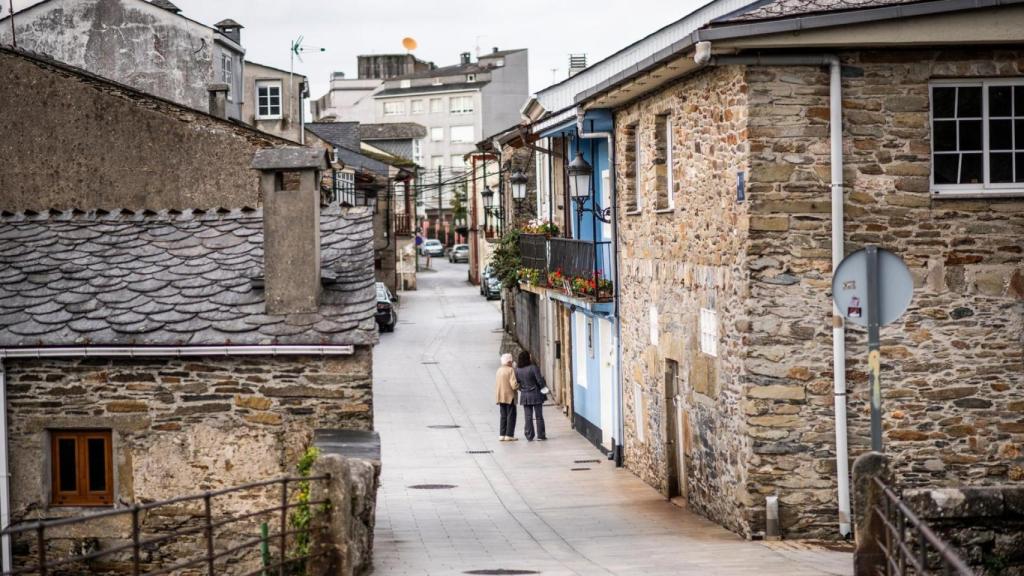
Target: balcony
x,y
577,268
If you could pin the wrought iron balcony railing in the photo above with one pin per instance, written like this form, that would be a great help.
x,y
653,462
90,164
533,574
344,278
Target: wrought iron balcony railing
x,y
579,267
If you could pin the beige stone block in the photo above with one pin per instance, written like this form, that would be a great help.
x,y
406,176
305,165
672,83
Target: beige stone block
x,y
783,421
769,223
253,402
777,392
268,418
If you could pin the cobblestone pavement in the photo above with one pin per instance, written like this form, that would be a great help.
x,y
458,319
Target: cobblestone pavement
x,y
554,507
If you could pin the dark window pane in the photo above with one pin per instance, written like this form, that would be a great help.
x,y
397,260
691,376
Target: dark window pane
x,y
970,169
1000,134
970,135
969,102
97,464
1019,133
946,166
999,101
944,102
1018,100
1000,168
67,455
944,135
1020,165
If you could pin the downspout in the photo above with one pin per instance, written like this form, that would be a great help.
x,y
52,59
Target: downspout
x,y
5,478
703,55
620,432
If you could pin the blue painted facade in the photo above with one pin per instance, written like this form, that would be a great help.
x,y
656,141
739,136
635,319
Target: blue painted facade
x,y
596,397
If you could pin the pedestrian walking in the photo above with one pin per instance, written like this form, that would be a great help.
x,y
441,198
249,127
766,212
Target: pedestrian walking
x,y
532,394
506,385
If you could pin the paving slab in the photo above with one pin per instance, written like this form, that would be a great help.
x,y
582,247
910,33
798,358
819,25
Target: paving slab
x,y
520,505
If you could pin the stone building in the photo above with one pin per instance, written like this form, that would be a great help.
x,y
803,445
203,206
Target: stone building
x,y
272,100
725,218
60,122
149,46
152,354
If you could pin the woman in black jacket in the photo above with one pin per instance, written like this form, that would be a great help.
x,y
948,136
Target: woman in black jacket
x,y
531,382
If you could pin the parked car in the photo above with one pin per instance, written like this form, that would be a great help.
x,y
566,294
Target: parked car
x,y
491,287
386,316
432,247
459,253
487,273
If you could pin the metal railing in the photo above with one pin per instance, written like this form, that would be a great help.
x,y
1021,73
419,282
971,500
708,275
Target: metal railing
x,y
533,252
910,547
129,556
574,258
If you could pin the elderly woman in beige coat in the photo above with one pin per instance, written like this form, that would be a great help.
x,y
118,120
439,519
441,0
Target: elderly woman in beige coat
x,y
506,386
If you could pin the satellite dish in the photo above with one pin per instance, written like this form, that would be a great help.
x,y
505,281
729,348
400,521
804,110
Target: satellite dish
x,y
409,43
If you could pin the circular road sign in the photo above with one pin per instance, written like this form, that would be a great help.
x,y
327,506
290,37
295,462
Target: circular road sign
x,y
850,287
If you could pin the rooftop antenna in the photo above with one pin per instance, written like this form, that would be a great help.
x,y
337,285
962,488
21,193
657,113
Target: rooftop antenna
x,y
296,51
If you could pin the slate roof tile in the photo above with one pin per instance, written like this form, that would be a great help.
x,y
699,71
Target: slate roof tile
x,y
172,278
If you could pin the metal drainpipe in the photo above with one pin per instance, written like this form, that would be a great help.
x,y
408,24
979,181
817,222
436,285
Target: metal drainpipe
x,y
610,137
836,161
5,477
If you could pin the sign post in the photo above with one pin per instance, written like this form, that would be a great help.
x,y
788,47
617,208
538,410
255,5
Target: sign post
x,y
872,287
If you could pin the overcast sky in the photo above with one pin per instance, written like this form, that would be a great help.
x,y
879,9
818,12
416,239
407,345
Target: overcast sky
x,y
443,28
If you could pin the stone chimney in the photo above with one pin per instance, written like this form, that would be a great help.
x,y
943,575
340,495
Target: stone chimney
x,y
290,185
230,29
465,58
218,99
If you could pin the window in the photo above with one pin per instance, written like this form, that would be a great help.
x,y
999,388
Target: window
x,y
404,83
417,152
81,468
436,106
436,162
268,99
226,75
344,188
394,108
458,163
709,331
436,82
437,134
663,162
462,134
417,106
978,136
470,77
460,104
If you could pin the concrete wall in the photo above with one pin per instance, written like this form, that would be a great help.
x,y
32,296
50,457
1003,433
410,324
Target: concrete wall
x,y
59,127
505,94
132,42
673,264
288,126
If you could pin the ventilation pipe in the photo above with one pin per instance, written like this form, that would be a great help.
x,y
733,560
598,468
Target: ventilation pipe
x,y
703,55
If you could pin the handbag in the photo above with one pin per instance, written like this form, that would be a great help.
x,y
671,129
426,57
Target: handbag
x,y
543,385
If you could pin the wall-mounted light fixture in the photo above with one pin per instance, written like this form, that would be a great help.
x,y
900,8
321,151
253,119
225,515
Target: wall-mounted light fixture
x,y
581,188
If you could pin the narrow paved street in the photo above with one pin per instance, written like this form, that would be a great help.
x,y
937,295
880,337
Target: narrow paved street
x,y
549,508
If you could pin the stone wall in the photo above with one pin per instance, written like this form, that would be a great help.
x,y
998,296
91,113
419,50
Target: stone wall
x,y
953,366
180,425
59,126
673,264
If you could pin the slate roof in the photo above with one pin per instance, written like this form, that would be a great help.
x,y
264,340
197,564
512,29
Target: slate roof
x,y
774,9
393,131
345,134
166,5
173,279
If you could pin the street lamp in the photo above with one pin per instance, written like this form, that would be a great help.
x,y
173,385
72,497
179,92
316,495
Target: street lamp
x,y
580,178
488,195
518,181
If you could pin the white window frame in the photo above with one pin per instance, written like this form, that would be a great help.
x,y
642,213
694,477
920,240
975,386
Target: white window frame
x,y
458,163
470,78
709,331
269,85
437,134
453,130
417,106
439,108
985,188
669,182
638,177
227,65
457,105
399,104
417,152
436,162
